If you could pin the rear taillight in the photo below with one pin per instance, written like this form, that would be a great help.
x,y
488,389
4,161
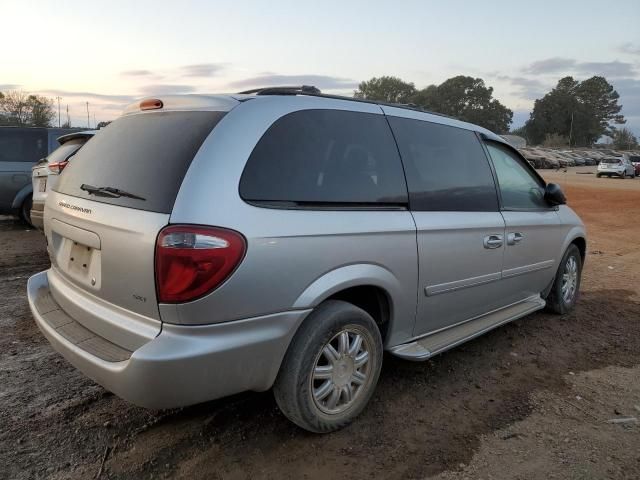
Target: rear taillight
x,y
191,261
57,167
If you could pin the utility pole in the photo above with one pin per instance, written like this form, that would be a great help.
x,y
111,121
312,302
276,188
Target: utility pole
x,y
68,117
88,121
94,120
58,98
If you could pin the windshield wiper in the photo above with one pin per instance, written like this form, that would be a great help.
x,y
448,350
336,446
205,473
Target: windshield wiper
x,y
108,192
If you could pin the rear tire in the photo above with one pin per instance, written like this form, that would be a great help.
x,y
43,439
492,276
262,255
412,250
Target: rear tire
x,y
566,286
331,368
598,175
623,175
25,210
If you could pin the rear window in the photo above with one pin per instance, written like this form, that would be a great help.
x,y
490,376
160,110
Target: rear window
x,y
144,154
22,144
334,157
65,150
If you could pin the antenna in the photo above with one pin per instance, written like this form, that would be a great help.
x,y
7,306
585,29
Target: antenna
x,y
58,98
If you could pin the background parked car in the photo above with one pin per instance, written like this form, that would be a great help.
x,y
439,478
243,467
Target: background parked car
x,y
635,161
46,171
20,148
616,166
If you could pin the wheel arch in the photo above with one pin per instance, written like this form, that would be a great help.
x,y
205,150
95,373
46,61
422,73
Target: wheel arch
x,y
581,243
368,286
21,196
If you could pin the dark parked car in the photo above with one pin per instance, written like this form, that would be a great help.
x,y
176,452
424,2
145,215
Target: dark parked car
x,y
20,149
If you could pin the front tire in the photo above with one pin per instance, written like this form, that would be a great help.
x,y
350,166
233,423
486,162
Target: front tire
x,y
566,286
331,368
25,210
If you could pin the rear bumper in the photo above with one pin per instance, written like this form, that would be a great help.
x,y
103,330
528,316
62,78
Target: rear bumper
x,y
183,365
618,173
37,215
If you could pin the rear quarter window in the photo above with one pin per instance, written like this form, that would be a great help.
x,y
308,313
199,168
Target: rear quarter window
x,y
325,157
64,151
145,154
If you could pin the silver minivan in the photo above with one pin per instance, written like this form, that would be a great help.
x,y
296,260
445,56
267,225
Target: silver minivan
x,y
203,246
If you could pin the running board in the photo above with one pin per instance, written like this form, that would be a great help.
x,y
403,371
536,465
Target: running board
x,y
435,343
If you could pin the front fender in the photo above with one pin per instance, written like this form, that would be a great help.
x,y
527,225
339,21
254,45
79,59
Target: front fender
x,y
575,232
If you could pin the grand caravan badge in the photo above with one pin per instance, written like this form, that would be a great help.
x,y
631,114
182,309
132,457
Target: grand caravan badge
x,y
74,207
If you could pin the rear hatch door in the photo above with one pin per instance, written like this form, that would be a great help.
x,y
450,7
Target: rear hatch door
x,y
103,217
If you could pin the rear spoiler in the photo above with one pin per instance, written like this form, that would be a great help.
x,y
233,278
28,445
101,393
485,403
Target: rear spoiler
x,y
72,136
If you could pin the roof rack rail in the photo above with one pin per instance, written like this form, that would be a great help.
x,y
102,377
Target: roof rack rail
x,y
315,92
304,89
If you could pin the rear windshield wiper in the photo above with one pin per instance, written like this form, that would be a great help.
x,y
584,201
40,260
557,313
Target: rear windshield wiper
x,y
108,192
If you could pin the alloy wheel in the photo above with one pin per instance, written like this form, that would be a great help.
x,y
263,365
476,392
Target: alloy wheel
x,y
341,371
570,279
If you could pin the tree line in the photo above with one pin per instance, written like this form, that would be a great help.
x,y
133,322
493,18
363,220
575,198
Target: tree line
x,y
574,113
20,109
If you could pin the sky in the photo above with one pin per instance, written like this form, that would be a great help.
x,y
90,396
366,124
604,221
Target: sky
x,y
111,53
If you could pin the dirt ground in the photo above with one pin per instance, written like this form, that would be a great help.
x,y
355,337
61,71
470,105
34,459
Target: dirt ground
x,y
531,400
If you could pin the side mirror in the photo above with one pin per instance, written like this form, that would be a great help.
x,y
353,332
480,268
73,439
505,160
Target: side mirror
x,y
553,195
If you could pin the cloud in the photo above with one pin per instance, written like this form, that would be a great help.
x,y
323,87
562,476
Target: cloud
x,y
550,65
629,48
202,69
271,80
166,89
528,88
91,96
613,69
137,73
9,86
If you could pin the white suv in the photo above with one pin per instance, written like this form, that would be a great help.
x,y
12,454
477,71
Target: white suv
x,y
45,173
618,166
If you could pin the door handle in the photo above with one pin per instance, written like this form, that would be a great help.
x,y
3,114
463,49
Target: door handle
x,y
514,238
492,241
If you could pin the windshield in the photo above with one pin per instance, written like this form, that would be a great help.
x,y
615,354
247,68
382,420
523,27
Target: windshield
x,y
65,150
145,155
611,160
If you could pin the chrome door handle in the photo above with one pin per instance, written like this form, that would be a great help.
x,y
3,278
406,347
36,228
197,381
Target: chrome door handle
x,y
514,238
492,241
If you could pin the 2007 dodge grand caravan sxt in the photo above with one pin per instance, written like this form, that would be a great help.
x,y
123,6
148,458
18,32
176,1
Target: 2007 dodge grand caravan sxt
x,y
204,246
